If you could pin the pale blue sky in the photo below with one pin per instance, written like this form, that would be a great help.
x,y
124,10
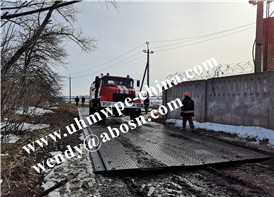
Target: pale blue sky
x,y
137,23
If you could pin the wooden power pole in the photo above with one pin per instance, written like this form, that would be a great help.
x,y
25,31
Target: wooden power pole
x,y
147,67
70,88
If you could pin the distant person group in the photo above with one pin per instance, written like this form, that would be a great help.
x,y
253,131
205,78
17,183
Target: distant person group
x,y
77,100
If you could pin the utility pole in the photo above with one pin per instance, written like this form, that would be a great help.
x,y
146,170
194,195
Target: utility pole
x,y
143,79
69,88
259,37
147,67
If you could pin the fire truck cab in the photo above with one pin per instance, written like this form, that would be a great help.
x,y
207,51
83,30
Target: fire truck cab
x,y
107,90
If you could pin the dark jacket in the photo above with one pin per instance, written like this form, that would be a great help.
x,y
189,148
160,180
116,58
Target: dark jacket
x,y
146,101
77,99
188,107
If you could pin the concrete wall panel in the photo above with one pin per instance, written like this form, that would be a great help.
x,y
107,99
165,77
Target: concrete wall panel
x,y
237,100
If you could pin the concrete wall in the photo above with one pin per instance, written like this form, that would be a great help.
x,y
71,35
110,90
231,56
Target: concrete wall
x,y
197,90
237,100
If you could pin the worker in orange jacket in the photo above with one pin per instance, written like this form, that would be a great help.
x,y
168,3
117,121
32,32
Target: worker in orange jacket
x,y
187,111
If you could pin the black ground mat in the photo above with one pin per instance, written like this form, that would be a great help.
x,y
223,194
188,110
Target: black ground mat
x,y
156,146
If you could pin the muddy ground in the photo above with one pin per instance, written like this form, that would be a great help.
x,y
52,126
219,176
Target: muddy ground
x,y
19,179
254,178
242,179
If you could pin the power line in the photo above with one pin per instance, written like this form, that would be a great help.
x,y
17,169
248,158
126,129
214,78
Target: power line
x,y
118,62
110,67
110,60
200,37
205,34
201,41
191,39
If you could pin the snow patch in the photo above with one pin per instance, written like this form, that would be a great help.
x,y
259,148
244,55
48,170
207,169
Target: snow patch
x,y
31,127
27,126
9,139
82,137
55,153
155,101
81,167
48,185
35,111
258,133
54,107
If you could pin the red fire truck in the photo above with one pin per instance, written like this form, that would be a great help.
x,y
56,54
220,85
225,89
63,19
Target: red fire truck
x,y
107,90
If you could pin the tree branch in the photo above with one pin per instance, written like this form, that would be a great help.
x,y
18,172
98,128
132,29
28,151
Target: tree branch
x,y
6,16
30,41
59,184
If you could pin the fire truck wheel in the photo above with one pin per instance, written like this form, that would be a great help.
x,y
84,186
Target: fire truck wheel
x,y
115,112
103,117
133,116
91,108
91,111
98,108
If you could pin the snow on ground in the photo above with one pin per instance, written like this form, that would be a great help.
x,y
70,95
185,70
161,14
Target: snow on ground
x,y
9,139
55,153
54,107
31,127
258,133
35,111
25,126
155,101
28,126
81,167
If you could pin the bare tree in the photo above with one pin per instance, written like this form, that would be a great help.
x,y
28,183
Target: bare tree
x,y
31,45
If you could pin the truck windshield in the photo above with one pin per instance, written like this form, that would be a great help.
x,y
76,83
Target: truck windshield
x,y
108,81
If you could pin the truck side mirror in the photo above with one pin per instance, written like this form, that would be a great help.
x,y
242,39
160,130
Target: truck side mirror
x,y
138,83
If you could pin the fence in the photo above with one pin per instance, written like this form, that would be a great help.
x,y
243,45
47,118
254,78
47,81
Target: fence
x,y
221,70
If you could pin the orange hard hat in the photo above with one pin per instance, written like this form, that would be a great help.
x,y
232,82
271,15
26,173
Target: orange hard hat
x,y
186,94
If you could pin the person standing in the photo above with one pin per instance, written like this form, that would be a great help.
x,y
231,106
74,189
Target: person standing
x,y
146,103
187,111
77,100
83,100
